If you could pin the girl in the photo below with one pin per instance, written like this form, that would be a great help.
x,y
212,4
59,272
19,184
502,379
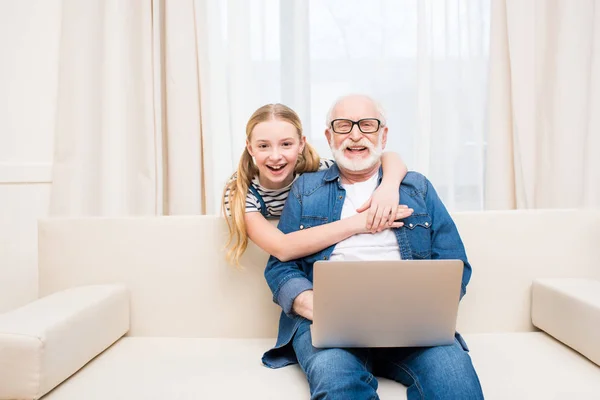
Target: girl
x,y
276,152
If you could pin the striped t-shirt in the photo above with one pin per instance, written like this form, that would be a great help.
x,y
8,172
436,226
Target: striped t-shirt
x,y
274,199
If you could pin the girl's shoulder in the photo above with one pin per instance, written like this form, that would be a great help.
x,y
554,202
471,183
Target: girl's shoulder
x,y
252,203
325,163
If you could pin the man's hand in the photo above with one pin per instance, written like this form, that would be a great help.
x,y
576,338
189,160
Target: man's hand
x,y
400,212
382,206
303,304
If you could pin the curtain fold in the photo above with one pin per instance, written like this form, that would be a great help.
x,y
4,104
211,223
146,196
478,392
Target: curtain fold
x,y
182,130
128,134
104,160
544,131
225,86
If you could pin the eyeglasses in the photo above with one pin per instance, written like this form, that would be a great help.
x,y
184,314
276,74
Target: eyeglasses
x,y
365,125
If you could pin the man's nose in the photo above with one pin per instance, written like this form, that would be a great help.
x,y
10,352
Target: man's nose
x,y
355,133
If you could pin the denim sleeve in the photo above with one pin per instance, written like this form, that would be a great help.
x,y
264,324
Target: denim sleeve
x,y
289,291
445,239
287,279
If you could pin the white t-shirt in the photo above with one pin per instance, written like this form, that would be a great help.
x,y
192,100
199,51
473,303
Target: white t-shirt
x,y
366,246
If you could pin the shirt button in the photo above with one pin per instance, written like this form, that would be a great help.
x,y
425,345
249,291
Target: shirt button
x,y
301,226
340,197
410,225
324,257
426,223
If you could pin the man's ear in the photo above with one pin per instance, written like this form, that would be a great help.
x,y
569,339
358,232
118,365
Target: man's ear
x,y
384,133
328,135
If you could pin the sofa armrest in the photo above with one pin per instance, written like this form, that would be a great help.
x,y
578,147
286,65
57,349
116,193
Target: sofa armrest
x,y
569,310
45,342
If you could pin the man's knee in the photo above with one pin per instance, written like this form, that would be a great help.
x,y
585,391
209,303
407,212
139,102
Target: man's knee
x,y
339,374
332,362
448,370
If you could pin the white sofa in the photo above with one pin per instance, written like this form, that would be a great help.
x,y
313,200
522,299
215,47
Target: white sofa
x,y
169,319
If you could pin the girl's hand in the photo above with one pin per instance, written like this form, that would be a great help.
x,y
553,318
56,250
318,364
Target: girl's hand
x,y
402,211
381,206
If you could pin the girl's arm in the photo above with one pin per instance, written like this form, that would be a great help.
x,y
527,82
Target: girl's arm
x,y
387,195
302,243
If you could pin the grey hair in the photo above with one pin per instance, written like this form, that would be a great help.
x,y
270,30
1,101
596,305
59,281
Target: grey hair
x,y
378,107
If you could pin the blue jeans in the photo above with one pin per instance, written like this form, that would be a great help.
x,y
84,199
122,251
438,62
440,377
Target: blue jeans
x,y
442,372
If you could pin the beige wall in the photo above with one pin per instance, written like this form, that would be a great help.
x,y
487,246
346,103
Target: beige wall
x,y
29,37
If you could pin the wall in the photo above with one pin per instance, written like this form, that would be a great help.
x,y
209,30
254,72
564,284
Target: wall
x,y
29,39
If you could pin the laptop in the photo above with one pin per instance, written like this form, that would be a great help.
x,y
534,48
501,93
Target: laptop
x,y
407,303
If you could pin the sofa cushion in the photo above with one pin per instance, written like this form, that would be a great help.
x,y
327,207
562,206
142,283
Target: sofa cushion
x,y
569,310
45,342
511,366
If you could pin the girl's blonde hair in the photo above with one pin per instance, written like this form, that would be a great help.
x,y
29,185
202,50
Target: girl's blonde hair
x,y
237,188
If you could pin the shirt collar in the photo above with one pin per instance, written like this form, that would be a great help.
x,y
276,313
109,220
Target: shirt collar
x,y
333,173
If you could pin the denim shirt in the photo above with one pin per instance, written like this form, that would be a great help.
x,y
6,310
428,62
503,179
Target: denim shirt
x,y
317,198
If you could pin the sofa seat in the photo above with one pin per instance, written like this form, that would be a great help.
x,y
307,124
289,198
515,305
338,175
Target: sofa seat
x,y
532,365
510,366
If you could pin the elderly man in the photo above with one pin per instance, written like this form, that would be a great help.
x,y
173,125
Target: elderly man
x,y
357,134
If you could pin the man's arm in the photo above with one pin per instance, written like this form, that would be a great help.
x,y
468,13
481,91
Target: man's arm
x,y
445,239
303,304
286,279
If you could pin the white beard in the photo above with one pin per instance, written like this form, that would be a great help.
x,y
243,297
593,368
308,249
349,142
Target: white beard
x,y
357,165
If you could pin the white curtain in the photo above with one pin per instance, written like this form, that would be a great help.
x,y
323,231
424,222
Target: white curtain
x,y
425,60
105,144
154,96
544,134
179,98
128,138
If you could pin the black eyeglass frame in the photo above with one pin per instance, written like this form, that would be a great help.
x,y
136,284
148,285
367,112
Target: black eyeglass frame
x,y
357,123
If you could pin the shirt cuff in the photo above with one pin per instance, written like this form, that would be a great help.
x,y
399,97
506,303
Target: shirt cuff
x,y
289,291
